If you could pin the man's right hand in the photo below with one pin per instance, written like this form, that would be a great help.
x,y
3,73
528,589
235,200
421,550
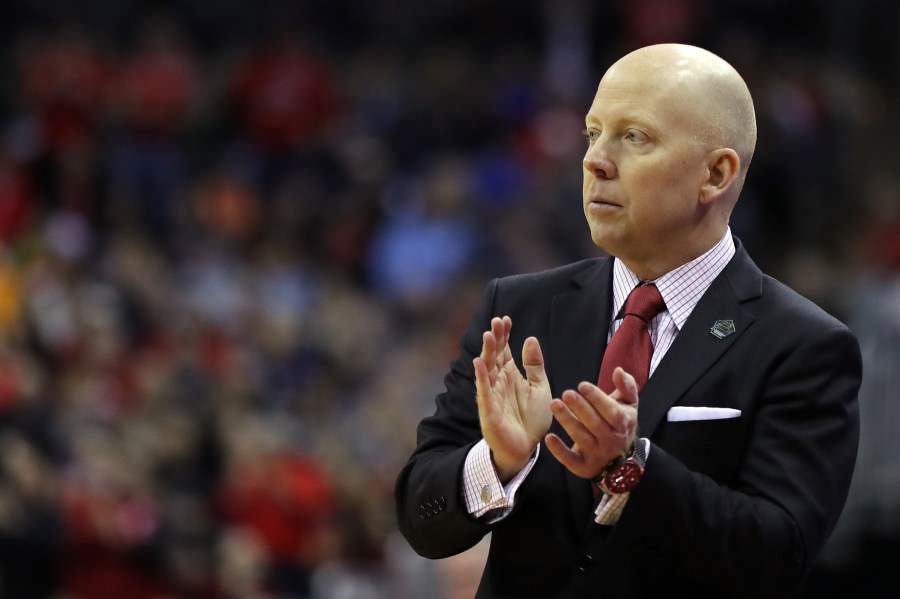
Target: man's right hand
x,y
514,411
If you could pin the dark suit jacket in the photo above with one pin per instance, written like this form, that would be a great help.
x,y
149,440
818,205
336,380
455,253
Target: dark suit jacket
x,y
736,507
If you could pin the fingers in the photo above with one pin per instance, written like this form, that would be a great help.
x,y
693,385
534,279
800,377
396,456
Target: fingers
x,y
591,417
482,387
495,342
571,458
488,366
616,411
583,429
501,328
626,391
592,409
600,425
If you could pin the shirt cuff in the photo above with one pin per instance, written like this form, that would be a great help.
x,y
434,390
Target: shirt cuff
x,y
610,509
483,490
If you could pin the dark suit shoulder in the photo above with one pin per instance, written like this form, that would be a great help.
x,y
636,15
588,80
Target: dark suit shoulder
x,y
558,278
795,308
530,295
773,302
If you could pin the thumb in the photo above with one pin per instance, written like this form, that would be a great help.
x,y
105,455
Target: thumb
x,y
533,361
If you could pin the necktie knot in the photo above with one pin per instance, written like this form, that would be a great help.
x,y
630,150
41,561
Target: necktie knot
x,y
630,347
645,302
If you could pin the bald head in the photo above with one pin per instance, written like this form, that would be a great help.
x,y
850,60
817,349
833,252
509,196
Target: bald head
x,y
709,92
671,132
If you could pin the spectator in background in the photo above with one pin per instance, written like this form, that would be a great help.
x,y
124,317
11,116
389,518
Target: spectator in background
x,y
285,501
156,91
31,523
286,102
64,87
112,515
427,239
18,202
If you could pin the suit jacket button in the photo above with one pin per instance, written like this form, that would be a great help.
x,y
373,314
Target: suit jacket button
x,y
585,563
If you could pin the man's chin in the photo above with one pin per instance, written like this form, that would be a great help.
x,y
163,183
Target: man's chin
x,y
604,240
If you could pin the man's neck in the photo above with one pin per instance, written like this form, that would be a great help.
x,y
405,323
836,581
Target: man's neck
x,y
653,268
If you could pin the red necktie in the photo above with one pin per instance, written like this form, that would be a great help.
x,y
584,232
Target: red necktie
x,y
630,346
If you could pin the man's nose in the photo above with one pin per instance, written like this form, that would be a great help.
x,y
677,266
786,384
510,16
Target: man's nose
x,y
598,161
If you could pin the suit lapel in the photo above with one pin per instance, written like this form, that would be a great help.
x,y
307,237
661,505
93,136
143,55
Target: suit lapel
x,y
579,325
695,349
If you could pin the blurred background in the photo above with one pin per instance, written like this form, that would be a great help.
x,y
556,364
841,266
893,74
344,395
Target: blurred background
x,y
239,242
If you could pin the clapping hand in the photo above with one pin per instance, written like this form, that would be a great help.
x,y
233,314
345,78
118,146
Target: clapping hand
x,y
514,411
602,426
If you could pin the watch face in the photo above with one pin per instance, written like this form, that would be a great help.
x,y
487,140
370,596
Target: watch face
x,y
624,477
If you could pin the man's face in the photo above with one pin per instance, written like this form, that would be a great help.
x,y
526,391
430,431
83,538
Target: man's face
x,y
643,166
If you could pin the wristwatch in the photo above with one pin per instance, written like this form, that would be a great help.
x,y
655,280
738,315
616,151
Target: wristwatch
x,y
624,473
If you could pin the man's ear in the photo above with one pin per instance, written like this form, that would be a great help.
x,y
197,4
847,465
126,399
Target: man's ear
x,y
722,168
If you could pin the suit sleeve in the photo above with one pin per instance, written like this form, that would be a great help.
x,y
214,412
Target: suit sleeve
x,y
757,538
431,509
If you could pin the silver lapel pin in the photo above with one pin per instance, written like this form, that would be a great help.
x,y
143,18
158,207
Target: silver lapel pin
x,y
722,328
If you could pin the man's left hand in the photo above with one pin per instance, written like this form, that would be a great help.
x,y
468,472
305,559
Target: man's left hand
x,y
602,426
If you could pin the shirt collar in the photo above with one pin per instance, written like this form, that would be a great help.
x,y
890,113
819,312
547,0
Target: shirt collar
x,y
682,287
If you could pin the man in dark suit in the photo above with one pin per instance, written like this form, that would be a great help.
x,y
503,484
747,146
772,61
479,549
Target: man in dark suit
x,y
724,472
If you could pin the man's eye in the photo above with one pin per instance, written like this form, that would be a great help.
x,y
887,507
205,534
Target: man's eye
x,y
591,135
635,135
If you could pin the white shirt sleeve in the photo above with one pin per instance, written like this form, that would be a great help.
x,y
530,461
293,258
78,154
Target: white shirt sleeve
x,y
482,489
610,509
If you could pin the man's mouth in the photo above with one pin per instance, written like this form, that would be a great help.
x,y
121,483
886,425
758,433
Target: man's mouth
x,y
598,202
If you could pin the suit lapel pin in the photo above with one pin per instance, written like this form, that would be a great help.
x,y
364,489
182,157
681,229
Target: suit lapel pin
x,y
722,328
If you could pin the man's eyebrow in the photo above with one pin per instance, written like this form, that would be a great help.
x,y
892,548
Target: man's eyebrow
x,y
644,120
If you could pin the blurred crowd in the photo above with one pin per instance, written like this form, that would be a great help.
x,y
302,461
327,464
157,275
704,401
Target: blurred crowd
x,y
239,242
